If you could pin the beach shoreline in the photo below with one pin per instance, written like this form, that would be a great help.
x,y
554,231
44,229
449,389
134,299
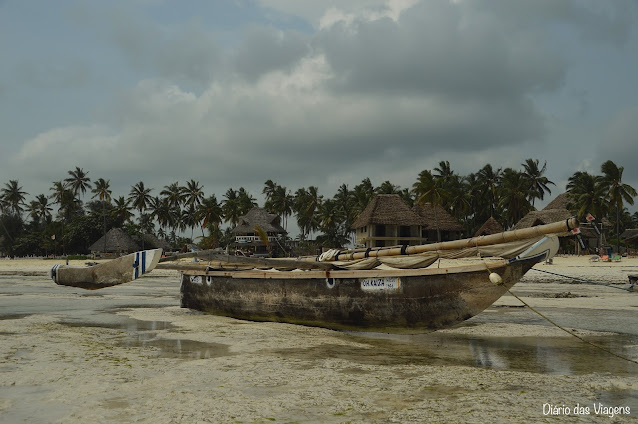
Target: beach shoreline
x,y
131,354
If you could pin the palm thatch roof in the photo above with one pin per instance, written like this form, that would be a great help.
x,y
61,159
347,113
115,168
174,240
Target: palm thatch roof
x,y
269,222
491,226
446,221
562,201
558,210
542,217
630,235
387,209
116,241
152,242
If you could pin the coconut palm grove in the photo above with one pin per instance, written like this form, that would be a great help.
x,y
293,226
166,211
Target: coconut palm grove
x,y
78,210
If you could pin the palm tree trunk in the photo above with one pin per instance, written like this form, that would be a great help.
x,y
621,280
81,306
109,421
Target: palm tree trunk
x,y
104,225
617,229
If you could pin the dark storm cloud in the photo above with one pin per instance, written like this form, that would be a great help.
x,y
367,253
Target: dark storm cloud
x,y
620,143
362,95
436,49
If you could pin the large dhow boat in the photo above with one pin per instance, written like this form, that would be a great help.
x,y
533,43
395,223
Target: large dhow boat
x,y
406,289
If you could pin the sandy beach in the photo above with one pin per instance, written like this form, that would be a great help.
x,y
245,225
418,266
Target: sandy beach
x,y
131,354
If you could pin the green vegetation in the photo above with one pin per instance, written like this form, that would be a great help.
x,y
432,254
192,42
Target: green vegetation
x,y
506,194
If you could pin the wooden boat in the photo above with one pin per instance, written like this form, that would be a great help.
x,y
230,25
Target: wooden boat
x,y
401,300
118,271
402,297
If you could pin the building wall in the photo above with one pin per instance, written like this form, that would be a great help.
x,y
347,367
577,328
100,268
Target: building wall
x,y
388,235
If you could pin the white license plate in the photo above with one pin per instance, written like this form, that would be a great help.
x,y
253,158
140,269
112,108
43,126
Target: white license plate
x,y
381,284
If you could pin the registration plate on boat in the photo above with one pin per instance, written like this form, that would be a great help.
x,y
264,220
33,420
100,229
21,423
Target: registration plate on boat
x,y
381,284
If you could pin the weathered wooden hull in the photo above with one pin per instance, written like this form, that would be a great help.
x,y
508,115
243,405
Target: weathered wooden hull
x,y
397,301
118,271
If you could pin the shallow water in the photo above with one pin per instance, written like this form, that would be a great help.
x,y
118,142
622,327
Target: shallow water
x,y
565,356
106,308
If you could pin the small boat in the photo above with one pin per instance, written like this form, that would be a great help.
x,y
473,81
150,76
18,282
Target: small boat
x,y
118,271
397,290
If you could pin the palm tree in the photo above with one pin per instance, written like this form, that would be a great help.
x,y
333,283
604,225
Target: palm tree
x,y
537,182
333,218
444,172
69,205
428,189
78,181
231,207
306,205
161,212
388,188
39,210
174,194
616,191
245,200
586,195
191,218
103,192
514,195
141,197
14,197
361,195
122,210
211,214
458,198
489,180
193,193
281,202
344,201
269,190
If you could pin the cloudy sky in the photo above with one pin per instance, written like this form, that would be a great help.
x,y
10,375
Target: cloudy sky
x,y
233,93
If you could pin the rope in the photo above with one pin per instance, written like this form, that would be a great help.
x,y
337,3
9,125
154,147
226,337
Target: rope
x,y
573,334
630,289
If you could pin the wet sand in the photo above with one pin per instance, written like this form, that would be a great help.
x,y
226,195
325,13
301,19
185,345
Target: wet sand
x,y
131,354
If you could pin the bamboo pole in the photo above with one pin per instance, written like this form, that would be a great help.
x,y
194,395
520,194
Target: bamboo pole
x,y
505,237
230,260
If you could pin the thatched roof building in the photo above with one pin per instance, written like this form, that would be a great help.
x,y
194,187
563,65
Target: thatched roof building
x,y
491,226
152,242
247,237
562,201
630,236
556,210
446,222
448,226
117,241
258,216
387,209
388,221
559,210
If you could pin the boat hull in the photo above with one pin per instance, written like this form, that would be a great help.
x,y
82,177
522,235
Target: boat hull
x,y
118,271
379,301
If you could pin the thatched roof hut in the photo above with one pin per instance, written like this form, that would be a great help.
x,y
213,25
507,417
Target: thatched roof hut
x,y
562,201
387,209
446,221
117,241
491,226
269,222
630,235
542,217
152,242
